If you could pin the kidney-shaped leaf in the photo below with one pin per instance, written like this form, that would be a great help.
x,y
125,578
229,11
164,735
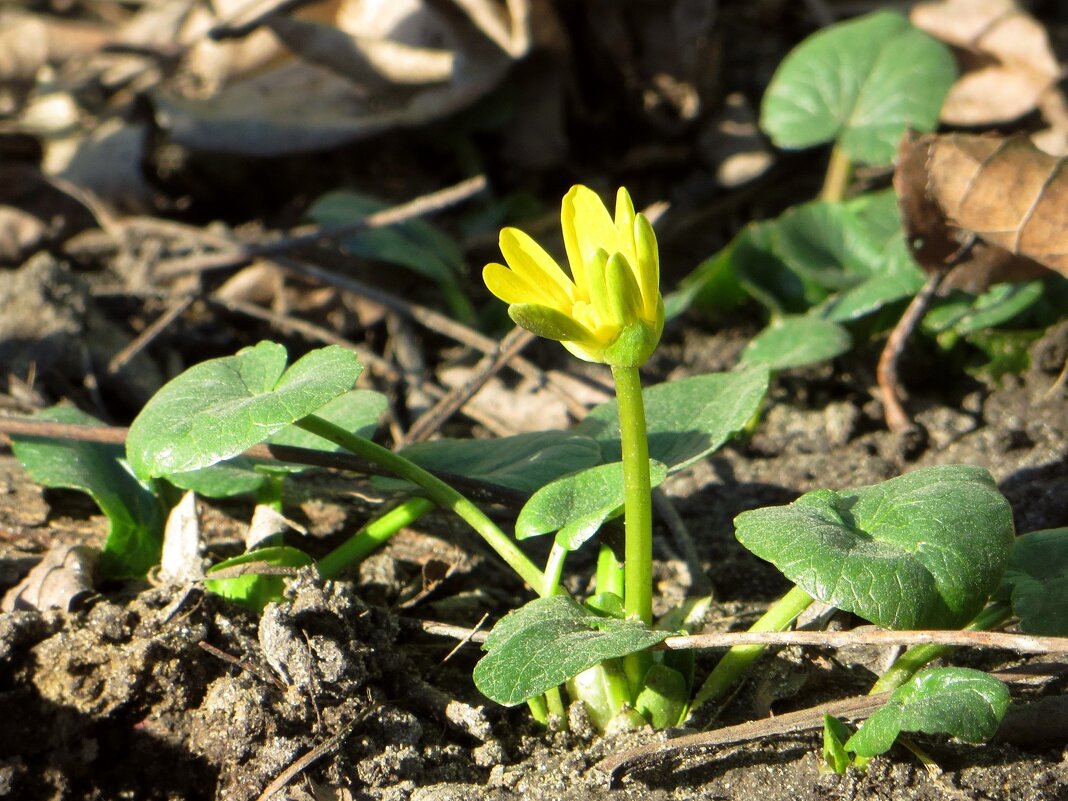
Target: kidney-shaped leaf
x,y
1036,579
861,82
961,702
544,643
219,408
134,513
923,550
686,420
524,462
576,506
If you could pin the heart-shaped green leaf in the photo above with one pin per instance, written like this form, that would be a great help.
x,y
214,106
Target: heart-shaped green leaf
x,y
544,643
256,589
1036,581
687,419
219,408
961,702
862,83
134,513
795,341
577,505
524,462
923,550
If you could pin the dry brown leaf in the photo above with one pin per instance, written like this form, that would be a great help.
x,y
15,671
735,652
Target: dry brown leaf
x,y
349,69
180,561
62,579
1005,192
1007,61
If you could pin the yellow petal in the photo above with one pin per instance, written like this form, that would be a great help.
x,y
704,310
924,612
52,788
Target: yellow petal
x,y
530,261
587,226
648,265
625,224
509,286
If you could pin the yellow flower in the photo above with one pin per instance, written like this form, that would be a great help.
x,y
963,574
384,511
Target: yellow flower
x,y
610,309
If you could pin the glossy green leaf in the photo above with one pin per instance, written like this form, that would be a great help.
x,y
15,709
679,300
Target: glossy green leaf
x,y
687,419
544,643
256,590
960,702
795,341
1036,582
219,408
577,505
357,411
135,515
923,550
524,462
862,83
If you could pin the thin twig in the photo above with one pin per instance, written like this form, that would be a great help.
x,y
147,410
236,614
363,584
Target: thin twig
x,y
241,254
310,758
788,723
425,316
466,640
174,310
116,435
489,366
244,664
865,635
897,419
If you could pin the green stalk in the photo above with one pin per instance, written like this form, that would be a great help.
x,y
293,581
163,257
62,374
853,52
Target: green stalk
x,y
909,663
437,490
372,536
554,702
836,179
609,573
637,494
738,659
554,569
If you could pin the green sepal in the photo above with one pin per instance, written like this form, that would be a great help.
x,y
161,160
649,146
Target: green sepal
x,y
635,343
549,323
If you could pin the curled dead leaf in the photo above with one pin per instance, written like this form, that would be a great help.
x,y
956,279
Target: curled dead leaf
x,y
992,206
61,580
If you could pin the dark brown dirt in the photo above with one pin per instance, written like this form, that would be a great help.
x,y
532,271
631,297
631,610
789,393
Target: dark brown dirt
x,y
119,699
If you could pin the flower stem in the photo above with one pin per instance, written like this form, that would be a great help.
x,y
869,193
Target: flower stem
x,y
738,659
437,491
836,179
371,536
637,494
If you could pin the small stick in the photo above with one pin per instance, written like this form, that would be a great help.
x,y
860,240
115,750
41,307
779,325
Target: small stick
x,y
244,664
174,310
426,317
241,254
865,635
310,758
489,366
116,435
897,419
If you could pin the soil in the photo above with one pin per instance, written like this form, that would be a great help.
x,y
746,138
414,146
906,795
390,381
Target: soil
x,y
120,699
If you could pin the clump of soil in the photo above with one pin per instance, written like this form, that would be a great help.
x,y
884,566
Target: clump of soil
x,y
122,699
